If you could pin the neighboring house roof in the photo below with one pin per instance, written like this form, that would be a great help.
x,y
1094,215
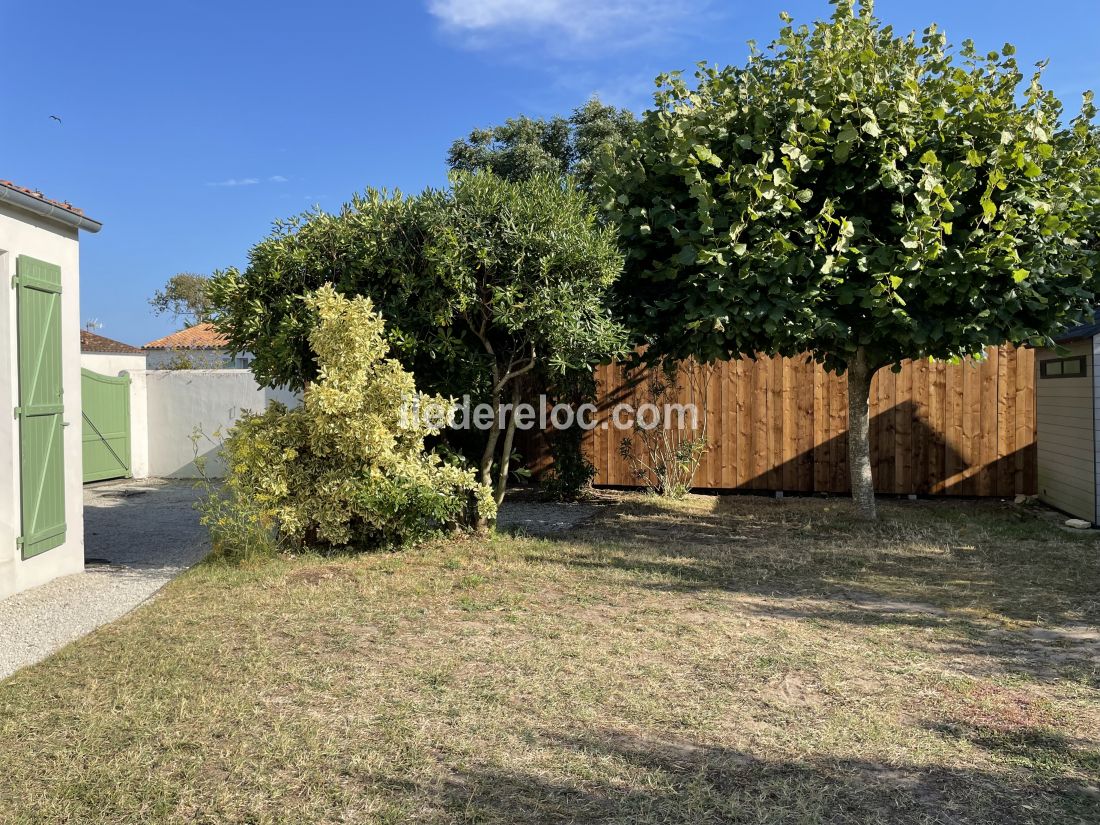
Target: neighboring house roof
x,y
200,336
1081,330
34,201
90,342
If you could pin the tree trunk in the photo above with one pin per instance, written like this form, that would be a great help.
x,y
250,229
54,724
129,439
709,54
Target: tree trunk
x,y
506,453
859,435
485,469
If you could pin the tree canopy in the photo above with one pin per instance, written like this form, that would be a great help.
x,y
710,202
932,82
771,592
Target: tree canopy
x,y
386,246
524,147
849,188
183,297
859,195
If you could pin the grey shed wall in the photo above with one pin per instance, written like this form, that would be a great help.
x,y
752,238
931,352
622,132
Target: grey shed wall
x,y
1067,417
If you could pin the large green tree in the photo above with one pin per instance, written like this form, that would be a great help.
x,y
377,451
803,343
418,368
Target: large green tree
x,y
859,195
480,285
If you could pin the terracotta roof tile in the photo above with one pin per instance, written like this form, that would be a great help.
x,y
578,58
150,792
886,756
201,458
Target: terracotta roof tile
x,y
90,342
200,336
34,193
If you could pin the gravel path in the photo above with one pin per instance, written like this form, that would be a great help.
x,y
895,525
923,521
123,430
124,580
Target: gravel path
x,y
138,535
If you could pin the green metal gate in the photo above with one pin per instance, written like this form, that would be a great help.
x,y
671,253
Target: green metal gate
x,y
41,408
106,412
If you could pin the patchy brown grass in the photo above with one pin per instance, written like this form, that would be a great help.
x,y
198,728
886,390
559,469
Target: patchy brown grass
x,y
717,660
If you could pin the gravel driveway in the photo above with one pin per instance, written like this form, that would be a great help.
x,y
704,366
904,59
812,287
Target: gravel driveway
x,y
138,535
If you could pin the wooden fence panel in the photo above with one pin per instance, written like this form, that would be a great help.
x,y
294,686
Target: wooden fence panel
x,y
781,424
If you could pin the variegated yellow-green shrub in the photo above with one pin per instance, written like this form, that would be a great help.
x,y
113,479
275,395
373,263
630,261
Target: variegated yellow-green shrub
x,y
346,468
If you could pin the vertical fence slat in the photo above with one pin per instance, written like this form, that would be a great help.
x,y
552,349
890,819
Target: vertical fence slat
x,y
821,431
920,433
953,446
716,391
987,426
838,425
759,422
904,414
743,387
1026,433
805,394
937,425
972,422
887,431
1006,420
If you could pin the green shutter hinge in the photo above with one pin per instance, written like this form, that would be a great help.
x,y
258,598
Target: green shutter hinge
x,y
14,281
19,542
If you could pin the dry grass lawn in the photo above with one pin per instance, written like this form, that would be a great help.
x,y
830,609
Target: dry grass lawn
x,y
734,659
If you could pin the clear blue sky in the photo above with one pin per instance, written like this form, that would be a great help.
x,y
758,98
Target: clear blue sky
x,y
187,128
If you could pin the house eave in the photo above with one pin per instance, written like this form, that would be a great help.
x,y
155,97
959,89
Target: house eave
x,y
45,209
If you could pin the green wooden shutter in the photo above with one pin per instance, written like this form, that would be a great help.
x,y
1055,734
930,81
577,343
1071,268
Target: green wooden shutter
x,y
41,408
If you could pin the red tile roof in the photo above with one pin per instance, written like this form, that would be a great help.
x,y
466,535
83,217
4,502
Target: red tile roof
x,y
200,336
90,342
34,193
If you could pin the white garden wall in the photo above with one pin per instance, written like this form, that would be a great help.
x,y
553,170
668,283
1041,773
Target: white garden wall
x,y
112,363
168,407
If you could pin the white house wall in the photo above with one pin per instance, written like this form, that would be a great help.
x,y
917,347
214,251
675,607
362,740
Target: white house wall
x,y
179,404
24,234
112,363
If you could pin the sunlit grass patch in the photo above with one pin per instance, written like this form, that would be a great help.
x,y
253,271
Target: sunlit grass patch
x,y
717,660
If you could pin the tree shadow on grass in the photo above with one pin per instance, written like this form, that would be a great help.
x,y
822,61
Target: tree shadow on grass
x,y
618,777
987,573
1051,751
967,554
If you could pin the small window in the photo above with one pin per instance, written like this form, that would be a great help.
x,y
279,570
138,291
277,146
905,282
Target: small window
x,y
1063,367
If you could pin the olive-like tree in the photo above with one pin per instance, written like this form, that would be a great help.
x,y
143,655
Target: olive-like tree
x,y
859,195
534,269
569,148
479,286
